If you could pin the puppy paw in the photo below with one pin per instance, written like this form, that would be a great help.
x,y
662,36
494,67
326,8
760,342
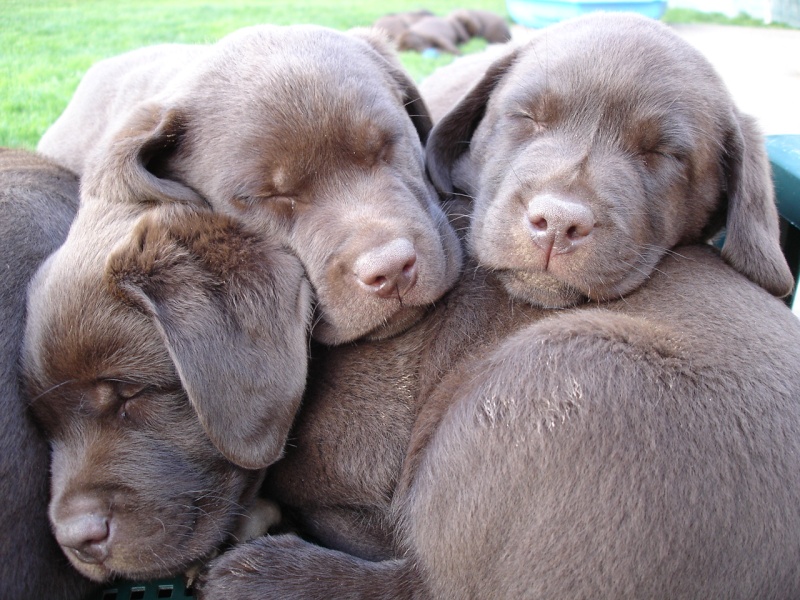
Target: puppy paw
x,y
261,569
286,567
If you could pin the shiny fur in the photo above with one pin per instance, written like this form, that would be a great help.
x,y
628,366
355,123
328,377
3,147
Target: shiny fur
x,y
310,134
165,356
639,440
38,200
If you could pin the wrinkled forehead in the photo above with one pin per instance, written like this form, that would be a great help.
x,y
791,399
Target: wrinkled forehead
x,y
290,86
587,63
303,72
79,330
620,82
310,110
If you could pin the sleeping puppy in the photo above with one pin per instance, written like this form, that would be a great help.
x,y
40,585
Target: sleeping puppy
x,y
642,439
311,135
482,23
652,143
38,201
394,24
165,357
433,32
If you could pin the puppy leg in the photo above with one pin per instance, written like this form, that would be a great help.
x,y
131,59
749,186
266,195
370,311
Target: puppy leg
x,y
286,567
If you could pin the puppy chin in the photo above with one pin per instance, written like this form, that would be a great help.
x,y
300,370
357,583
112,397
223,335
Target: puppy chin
x,y
98,573
332,334
540,289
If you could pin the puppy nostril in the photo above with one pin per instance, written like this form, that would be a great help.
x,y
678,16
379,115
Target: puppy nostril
x,y
91,554
388,271
574,233
86,537
539,224
559,221
411,265
377,282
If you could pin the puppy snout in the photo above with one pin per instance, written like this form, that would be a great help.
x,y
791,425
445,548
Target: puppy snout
x,y
558,225
390,270
85,533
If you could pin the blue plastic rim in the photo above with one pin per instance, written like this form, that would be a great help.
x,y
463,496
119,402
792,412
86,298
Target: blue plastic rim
x,y
541,13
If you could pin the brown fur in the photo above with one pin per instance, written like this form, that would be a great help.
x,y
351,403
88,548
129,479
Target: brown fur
x,y
433,32
165,354
38,200
394,24
482,23
639,445
174,337
305,133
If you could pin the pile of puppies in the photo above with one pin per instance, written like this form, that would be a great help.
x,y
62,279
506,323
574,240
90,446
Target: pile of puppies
x,y
493,358
421,29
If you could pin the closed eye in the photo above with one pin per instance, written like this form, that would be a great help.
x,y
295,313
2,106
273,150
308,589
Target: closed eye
x,y
128,390
265,198
529,117
284,205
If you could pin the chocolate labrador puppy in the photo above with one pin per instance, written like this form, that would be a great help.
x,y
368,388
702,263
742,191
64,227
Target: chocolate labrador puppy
x,y
482,23
605,405
310,134
433,32
38,200
168,338
165,357
395,23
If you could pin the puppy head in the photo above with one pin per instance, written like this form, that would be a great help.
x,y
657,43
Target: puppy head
x,y
469,21
314,136
595,149
166,374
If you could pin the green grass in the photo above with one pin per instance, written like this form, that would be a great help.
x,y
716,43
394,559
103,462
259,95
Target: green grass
x,y
47,45
687,15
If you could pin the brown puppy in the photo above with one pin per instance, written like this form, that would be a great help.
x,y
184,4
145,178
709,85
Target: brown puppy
x,y
38,201
433,32
165,356
483,23
309,134
642,440
394,24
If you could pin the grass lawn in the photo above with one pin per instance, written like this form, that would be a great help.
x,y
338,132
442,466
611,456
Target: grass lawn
x,y
48,44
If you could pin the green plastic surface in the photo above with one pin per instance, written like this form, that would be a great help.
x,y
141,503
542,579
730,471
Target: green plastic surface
x,y
173,589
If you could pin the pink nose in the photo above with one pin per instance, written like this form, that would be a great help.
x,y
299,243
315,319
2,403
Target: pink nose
x,y
85,532
388,271
558,225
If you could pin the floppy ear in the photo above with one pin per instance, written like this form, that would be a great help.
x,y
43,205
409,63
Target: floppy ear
x,y
752,238
451,136
127,166
234,311
412,99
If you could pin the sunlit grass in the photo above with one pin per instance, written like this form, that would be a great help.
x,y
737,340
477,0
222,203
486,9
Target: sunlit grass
x,y
47,45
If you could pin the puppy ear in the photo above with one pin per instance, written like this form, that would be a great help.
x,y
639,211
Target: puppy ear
x,y
451,136
126,166
752,239
234,311
411,98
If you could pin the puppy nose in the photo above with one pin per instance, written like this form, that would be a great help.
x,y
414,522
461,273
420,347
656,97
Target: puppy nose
x,y
390,270
557,224
85,535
